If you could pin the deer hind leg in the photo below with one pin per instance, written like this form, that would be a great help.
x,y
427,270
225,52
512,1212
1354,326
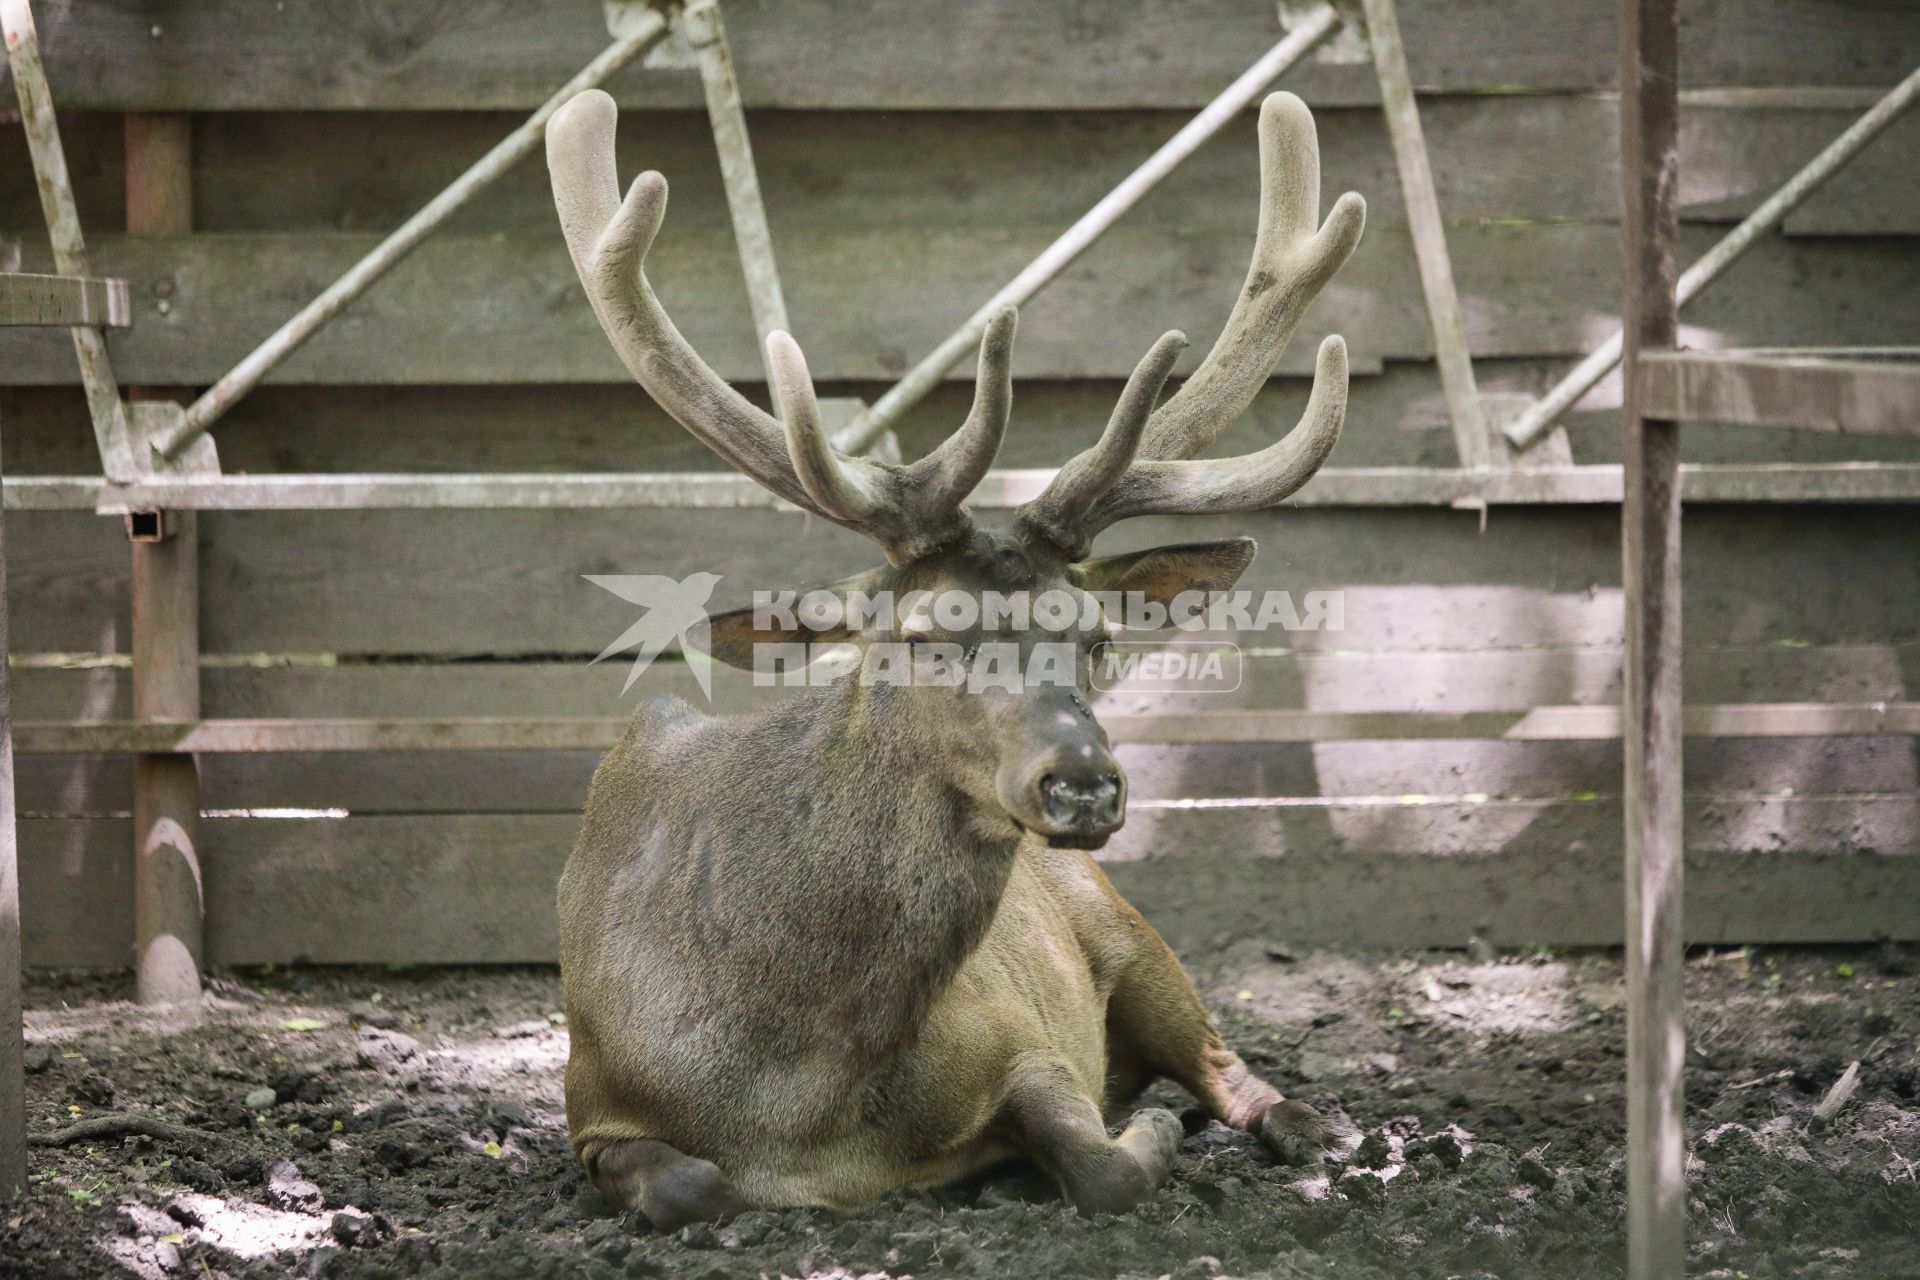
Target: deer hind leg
x,y
1155,1021
1058,1125
671,1188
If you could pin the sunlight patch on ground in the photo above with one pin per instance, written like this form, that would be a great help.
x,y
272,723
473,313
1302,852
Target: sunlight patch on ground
x,y
1494,997
53,1026
515,1064
242,1229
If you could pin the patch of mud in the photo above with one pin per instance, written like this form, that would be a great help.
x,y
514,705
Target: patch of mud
x,y
360,1123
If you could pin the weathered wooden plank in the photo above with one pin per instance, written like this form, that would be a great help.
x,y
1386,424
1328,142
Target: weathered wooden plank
x,y
76,892
149,55
1562,896
1416,770
1837,391
67,583
50,301
1396,418
404,582
1505,157
510,583
457,889
459,310
1331,679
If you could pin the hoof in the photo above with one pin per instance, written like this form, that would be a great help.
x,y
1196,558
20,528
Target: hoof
x,y
1297,1134
670,1188
1130,1169
1154,1136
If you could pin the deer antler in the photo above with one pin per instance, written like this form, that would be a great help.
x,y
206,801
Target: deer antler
x,y
909,510
1145,469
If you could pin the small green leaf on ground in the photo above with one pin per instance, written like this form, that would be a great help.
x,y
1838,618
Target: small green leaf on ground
x,y
302,1024
1844,970
492,1149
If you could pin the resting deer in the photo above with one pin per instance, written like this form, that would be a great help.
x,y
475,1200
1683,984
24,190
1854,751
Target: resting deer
x,y
855,942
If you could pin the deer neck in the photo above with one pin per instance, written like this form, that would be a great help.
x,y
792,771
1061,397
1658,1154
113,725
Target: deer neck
x,y
900,884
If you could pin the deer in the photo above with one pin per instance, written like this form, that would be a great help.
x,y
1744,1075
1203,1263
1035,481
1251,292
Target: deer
x,y
855,942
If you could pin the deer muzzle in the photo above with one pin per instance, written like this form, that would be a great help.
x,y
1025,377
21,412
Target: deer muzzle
x,y
1074,798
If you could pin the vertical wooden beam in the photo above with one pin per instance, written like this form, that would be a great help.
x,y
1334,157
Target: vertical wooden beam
x,y
1650,528
13,1065
168,902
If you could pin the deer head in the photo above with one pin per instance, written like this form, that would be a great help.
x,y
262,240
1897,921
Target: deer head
x,y
1033,761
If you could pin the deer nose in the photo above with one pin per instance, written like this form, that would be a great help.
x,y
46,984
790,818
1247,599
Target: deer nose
x,y
1090,803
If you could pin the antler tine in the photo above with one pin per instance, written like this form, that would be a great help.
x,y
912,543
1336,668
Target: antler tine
x,y
908,510
1059,512
1245,483
608,239
946,476
838,492
1291,262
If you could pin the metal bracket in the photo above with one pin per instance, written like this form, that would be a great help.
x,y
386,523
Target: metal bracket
x,y
625,17
149,422
1498,409
1346,47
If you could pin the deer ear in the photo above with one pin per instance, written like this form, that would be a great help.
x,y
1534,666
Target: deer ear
x,y
1161,573
731,637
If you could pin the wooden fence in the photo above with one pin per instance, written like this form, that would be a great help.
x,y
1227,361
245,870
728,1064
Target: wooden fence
x,y
913,155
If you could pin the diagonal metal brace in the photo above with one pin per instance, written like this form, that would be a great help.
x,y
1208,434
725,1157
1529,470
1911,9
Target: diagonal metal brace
x,y
104,405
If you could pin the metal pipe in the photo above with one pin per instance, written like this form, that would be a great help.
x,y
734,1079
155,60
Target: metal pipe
x,y
169,906
1429,236
707,35
999,490
858,436
1530,426
1549,723
510,150
104,407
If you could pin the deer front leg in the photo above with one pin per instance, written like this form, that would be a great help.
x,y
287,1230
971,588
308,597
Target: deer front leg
x,y
1156,1023
668,1186
1057,1124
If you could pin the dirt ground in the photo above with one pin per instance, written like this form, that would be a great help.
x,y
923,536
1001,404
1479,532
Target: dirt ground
x,y
373,1123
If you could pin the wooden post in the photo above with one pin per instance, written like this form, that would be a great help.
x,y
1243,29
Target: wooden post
x,y
13,1065
1650,572
169,913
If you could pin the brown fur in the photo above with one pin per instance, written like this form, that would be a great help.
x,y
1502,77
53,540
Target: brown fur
x,y
831,988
